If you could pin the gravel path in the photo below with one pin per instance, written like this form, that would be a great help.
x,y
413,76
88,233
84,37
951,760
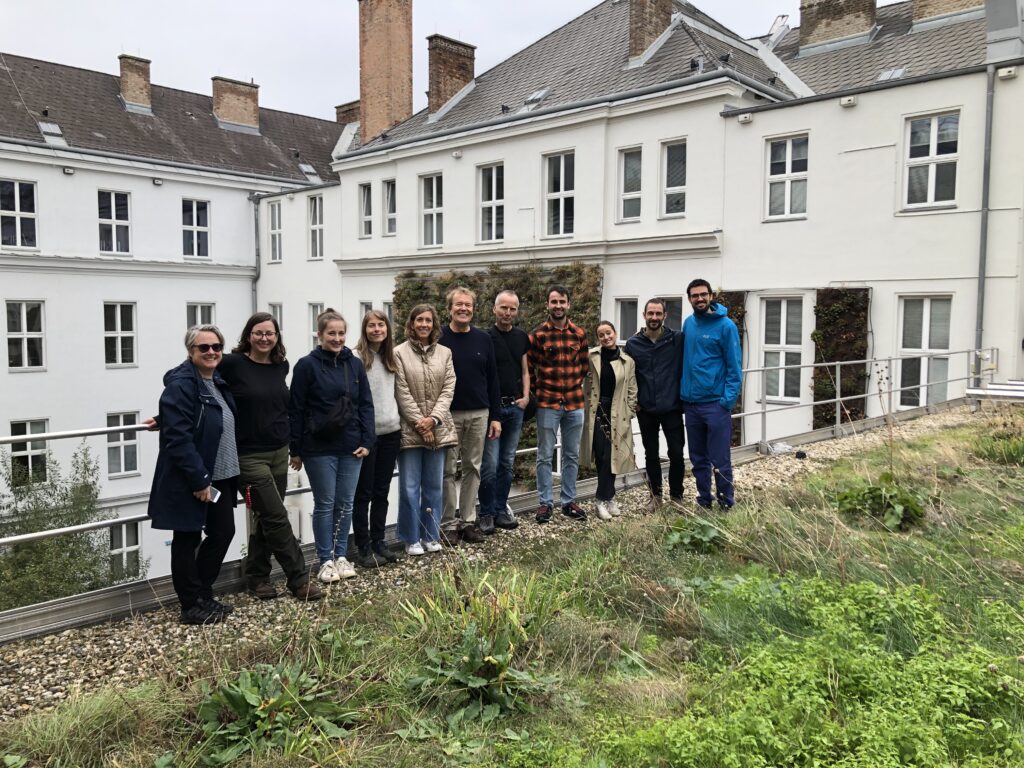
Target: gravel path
x,y
38,674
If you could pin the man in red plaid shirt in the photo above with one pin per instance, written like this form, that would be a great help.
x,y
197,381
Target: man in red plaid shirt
x,y
557,358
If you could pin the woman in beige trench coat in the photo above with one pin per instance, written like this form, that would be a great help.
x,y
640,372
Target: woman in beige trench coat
x,y
610,394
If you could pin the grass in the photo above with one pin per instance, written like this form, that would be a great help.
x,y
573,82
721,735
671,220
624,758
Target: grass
x,y
805,636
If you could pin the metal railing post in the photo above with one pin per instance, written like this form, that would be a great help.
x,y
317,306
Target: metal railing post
x,y
763,446
839,397
892,382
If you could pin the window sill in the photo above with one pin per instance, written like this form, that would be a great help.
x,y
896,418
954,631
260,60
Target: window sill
x,y
273,262
778,401
932,208
484,243
389,234
671,216
118,254
21,248
123,475
314,258
436,247
113,366
636,220
190,257
568,236
28,369
781,219
365,237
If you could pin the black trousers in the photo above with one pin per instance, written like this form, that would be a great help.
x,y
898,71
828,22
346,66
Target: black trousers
x,y
602,446
264,476
671,423
370,509
196,559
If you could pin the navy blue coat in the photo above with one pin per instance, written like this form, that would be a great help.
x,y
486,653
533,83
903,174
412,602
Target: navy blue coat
x,y
659,365
318,380
190,423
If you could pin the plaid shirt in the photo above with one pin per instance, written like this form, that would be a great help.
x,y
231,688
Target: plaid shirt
x,y
558,363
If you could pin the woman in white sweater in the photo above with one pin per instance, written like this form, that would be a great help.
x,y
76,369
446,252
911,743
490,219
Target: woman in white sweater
x,y
370,511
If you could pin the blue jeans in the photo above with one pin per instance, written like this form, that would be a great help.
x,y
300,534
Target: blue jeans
x,y
709,437
420,474
549,421
499,456
333,479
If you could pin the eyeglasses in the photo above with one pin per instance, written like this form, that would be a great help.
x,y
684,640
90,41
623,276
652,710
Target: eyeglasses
x,y
264,334
704,295
204,348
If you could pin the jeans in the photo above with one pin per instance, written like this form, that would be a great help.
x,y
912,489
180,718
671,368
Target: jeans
x,y
420,473
671,424
263,479
471,429
499,456
370,512
196,559
549,421
709,429
333,479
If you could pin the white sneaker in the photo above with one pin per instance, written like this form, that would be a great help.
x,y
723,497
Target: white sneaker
x,y
327,574
432,546
613,507
343,568
414,549
602,510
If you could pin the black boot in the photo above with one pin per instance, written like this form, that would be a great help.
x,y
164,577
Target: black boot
x,y
383,551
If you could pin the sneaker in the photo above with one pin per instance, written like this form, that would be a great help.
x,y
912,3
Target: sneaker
x,y
307,592
415,550
383,551
367,558
344,568
214,605
327,573
506,520
613,507
472,534
486,525
197,615
543,513
603,510
264,590
574,511
432,546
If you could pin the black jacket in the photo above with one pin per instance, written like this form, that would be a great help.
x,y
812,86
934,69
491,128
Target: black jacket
x,y
318,380
659,364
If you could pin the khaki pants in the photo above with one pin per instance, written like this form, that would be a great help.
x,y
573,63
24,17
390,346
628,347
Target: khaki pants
x,y
471,429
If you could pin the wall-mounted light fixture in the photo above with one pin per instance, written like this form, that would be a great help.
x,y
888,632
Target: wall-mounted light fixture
x,y
69,171
158,182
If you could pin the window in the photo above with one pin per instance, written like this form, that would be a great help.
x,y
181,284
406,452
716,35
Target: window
x,y
390,208
673,312
626,309
124,551
629,173
314,313
18,213
389,310
122,447
199,314
277,312
275,231
924,331
492,202
364,307
365,210
433,210
559,197
28,459
195,228
783,344
316,227
932,146
787,177
114,222
674,195
25,334
119,334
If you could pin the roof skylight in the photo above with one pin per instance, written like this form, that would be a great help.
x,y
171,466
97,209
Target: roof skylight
x,y
892,74
52,133
310,173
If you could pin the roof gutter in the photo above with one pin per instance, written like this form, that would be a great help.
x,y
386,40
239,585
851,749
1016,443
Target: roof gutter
x,y
986,183
703,77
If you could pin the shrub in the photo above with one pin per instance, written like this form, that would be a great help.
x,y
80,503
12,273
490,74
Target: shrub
x,y
894,504
695,535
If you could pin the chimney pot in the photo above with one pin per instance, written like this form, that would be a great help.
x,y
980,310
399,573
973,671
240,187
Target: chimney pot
x,y
236,103
452,67
135,86
385,65
648,19
825,20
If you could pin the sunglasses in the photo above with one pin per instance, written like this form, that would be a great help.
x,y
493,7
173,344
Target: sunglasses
x,y
204,348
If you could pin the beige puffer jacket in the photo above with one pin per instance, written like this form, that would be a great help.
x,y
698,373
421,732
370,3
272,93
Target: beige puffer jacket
x,y
424,386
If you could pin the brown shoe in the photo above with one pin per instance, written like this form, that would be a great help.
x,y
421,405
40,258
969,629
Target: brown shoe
x,y
472,534
307,591
450,538
264,590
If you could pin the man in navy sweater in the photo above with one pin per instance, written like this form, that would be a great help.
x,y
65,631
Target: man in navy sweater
x,y
476,410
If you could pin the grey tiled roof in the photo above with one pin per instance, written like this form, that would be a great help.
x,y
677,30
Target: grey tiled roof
x,y
940,49
182,129
585,59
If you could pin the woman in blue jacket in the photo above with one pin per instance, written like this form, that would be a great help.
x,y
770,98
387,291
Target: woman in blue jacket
x,y
331,420
196,478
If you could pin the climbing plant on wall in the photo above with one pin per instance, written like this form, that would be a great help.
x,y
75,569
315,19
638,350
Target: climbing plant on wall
x,y
840,333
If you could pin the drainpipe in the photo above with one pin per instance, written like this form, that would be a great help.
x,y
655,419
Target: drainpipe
x,y
255,200
986,182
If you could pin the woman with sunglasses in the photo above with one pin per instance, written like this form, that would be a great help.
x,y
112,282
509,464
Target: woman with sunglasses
x,y
196,479
255,371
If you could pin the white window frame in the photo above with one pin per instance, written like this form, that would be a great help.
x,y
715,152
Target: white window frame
x,y
491,204
119,334
365,210
559,196
932,160
195,311
777,381
195,229
121,551
432,218
786,178
390,207
924,389
276,310
622,305
314,310
115,223
364,307
675,323
315,210
676,189
24,335
274,211
389,310
32,451
625,195
21,216
122,444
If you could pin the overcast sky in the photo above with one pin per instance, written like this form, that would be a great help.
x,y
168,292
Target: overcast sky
x,y
304,55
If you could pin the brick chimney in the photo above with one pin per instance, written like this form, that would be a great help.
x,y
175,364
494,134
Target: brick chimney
x,y
926,9
648,19
385,65
825,20
236,102
135,87
452,67
347,113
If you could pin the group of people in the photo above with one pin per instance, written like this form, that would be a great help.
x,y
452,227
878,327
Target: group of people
x,y
450,395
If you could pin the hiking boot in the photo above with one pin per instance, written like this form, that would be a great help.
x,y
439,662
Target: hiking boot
x,y
264,590
613,507
383,551
486,525
307,592
367,558
450,538
574,511
506,520
214,605
603,511
197,615
543,513
472,534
